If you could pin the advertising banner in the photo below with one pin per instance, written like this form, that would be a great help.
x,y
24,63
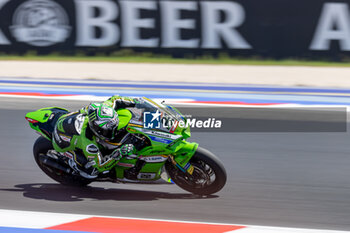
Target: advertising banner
x,y
243,28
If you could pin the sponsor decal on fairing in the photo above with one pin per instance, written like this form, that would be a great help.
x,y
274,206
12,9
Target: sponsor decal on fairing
x,y
92,149
154,159
146,176
65,137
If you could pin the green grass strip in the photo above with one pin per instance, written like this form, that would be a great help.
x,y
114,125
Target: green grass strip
x,y
169,60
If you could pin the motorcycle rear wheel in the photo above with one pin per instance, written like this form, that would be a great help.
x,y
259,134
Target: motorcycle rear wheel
x,y
41,148
209,175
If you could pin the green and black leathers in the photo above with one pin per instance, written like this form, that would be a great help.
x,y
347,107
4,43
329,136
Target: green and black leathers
x,y
73,137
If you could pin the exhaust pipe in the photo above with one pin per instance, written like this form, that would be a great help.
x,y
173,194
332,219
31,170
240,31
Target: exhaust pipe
x,y
53,163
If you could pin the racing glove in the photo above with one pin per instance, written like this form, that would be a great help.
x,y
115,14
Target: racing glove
x,y
126,150
122,102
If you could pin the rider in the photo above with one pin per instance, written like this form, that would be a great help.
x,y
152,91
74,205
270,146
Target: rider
x,y
89,137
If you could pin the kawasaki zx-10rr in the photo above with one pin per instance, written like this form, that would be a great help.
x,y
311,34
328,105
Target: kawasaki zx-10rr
x,y
164,153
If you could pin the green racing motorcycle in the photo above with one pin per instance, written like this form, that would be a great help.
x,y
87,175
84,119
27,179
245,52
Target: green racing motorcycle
x,y
165,155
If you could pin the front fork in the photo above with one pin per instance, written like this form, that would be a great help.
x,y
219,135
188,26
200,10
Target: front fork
x,y
188,168
182,156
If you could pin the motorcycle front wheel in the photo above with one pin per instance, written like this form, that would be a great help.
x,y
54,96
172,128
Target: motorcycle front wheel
x,y
208,177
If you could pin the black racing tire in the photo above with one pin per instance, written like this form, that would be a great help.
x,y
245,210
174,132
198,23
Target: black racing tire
x,y
205,164
41,147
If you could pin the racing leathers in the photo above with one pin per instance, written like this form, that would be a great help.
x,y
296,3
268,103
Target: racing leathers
x,y
87,154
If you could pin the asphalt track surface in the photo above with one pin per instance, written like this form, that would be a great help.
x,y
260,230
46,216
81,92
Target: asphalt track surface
x,y
274,179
